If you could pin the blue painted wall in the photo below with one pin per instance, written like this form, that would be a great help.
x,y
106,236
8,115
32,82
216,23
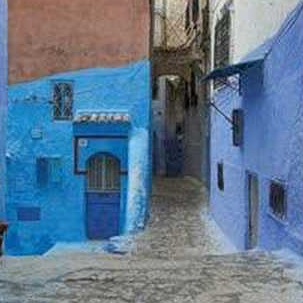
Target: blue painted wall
x,y
3,102
125,89
273,144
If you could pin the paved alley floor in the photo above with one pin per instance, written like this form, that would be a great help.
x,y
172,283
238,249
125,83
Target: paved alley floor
x,y
181,257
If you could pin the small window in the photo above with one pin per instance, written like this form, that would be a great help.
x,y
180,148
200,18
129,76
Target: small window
x,y
63,101
238,127
49,170
220,177
278,200
187,18
195,10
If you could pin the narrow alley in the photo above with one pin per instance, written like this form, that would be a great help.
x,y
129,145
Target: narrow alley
x,y
177,259
151,151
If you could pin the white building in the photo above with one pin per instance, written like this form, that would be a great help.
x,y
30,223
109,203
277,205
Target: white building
x,y
251,23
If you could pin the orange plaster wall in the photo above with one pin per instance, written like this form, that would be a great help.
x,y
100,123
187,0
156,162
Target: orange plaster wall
x,y
51,36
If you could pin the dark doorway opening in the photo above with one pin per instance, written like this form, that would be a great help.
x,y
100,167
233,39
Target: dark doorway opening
x,y
253,210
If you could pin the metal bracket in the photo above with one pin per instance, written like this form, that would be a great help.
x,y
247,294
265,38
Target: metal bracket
x,y
228,119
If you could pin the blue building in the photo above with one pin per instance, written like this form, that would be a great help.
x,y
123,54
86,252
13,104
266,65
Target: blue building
x,y
79,155
257,143
3,102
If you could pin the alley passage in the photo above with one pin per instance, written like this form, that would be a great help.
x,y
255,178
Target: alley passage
x,y
177,259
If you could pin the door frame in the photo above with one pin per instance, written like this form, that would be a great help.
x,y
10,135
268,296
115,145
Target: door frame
x,y
249,229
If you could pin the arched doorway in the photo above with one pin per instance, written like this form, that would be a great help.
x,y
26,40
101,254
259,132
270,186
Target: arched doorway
x,y
103,193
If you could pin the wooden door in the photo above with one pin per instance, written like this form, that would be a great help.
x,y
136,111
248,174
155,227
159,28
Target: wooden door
x,y
103,197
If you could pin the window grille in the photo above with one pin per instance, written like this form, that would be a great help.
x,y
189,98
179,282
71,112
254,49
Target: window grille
x,y
222,42
220,176
278,200
103,174
238,127
49,170
63,101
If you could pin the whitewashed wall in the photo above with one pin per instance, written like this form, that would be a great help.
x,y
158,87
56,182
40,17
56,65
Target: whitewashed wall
x,y
253,21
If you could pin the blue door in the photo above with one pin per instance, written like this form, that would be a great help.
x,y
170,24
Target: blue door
x,y
103,197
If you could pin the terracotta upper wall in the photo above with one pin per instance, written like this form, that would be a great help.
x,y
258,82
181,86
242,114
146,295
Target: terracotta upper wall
x,y
52,36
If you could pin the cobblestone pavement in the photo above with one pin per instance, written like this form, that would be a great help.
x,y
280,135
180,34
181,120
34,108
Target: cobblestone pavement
x,y
175,260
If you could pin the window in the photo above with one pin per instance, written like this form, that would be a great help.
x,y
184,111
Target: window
x,y
49,170
187,18
222,43
220,176
63,101
277,200
238,127
103,174
195,9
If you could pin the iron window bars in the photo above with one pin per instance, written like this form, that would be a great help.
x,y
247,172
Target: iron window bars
x,y
103,174
63,101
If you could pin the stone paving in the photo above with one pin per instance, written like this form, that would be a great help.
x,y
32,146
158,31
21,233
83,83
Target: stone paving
x,y
174,260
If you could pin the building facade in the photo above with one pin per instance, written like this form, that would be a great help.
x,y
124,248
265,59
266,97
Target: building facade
x,y
3,103
183,59
79,122
256,170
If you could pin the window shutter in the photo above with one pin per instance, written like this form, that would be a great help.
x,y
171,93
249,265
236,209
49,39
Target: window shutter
x,y
238,127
